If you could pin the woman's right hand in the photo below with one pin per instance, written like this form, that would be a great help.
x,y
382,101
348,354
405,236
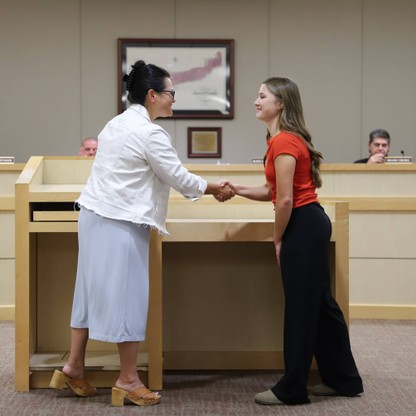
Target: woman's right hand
x,y
225,191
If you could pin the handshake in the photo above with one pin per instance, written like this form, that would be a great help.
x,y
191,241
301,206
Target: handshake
x,y
224,190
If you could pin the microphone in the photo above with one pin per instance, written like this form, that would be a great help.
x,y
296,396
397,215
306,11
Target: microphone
x,y
402,152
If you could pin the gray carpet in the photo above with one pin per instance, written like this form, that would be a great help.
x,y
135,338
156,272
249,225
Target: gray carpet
x,y
385,352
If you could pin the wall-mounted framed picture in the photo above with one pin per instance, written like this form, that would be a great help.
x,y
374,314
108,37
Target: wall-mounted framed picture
x,y
204,142
201,70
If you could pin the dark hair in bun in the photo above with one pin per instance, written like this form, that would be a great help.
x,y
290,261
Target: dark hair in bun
x,y
141,79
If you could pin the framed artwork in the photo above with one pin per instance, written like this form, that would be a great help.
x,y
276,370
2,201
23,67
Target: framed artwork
x,y
204,142
201,70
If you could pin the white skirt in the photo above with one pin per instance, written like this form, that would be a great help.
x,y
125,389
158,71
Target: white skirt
x,y
112,286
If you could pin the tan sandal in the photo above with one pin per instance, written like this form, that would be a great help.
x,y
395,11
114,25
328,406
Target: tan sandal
x,y
137,396
80,386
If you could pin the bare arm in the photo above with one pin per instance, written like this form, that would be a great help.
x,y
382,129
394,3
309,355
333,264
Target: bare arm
x,y
257,193
285,169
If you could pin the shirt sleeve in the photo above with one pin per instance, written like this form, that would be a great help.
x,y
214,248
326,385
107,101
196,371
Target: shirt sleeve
x,y
286,144
165,163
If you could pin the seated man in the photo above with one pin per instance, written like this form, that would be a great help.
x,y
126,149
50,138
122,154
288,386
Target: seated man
x,y
88,147
378,146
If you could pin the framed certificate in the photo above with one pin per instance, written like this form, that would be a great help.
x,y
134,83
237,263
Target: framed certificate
x,y
204,142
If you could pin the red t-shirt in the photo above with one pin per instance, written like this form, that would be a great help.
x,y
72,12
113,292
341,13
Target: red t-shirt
x,y
303,186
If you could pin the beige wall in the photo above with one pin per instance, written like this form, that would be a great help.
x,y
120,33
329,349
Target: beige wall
x,y
354,61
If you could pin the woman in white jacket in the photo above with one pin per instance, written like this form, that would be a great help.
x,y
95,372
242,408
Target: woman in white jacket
x,y
126,195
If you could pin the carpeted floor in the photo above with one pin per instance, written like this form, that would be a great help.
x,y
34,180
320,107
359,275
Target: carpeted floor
x,y
385,352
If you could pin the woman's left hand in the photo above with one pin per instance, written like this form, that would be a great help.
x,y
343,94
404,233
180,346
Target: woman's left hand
x,y
278,247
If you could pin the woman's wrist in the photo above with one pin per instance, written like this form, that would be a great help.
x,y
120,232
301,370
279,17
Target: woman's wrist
x,y
212,188
237,189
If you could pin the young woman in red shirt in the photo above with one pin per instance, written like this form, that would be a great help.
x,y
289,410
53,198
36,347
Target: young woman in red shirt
x,y
313,322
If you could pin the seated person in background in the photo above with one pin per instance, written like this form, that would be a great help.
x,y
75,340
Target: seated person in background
x,y
378,146
88,147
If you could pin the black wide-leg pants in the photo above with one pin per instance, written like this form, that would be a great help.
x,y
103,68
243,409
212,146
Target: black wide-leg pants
x,y
313,321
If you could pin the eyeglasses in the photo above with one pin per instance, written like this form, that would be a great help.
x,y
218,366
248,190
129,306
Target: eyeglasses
x,y
171,92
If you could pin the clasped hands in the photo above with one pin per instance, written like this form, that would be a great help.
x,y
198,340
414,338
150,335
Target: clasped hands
x,y
226,191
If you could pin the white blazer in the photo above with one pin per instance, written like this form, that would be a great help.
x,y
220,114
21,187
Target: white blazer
x,y
133,171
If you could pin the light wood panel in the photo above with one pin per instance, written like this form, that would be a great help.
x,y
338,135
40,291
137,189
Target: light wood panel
x,y
8,175
387,235
7,235
383,281
7,285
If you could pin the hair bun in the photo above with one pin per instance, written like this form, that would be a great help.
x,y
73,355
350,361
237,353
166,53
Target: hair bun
x,y
139,65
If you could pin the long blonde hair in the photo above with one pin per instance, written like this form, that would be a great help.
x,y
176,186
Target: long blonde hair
x,y
292,120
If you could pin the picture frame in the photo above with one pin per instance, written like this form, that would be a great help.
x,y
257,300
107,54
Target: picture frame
x,y
201,70
204,142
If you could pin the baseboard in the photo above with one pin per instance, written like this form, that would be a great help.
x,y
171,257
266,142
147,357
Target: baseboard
x,y
401,312
7,312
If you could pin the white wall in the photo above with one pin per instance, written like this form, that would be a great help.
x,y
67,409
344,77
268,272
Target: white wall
x,y
354,61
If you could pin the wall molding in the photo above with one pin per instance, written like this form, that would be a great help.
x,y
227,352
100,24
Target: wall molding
x,y
7,312
404,312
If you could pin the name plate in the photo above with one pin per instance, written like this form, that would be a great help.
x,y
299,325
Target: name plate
x,y
6,159
398,159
